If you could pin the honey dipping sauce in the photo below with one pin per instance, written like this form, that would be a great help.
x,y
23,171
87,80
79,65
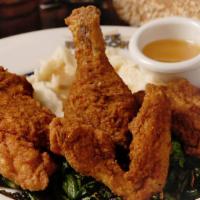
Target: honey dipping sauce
x,y
171,50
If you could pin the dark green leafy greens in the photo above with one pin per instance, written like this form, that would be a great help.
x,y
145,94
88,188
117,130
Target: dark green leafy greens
x,y
66,184
73,186
183,181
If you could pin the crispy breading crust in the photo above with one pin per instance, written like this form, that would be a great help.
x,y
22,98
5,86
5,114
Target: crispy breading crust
x,y
185,105
97,113
23,116
151,145
184,99
23,132
91,151
98,95
12,84
23,164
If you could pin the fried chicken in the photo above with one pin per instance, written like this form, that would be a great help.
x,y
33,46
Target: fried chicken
x,y
96,119
23,132
91,151
25,117
151,145
12,84
185,105
22,163
98,96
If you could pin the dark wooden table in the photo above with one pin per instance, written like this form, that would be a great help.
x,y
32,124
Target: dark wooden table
x,y
30,15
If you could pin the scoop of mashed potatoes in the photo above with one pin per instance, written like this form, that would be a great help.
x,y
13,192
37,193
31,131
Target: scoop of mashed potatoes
x,y
51,81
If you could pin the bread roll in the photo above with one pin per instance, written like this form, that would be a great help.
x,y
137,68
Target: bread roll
x,y
137,12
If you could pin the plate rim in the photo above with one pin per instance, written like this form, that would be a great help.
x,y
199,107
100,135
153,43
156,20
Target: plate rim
x,y
16,51
104,28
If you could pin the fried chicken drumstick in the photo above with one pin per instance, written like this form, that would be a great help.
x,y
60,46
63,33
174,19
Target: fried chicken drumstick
x,y
97,113
98,95
23,132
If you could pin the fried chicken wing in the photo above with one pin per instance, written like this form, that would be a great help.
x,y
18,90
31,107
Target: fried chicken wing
x,y
98,95
23,132
185,105
91,151
151,145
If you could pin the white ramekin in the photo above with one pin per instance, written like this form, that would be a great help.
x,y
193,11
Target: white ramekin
x,y
167,28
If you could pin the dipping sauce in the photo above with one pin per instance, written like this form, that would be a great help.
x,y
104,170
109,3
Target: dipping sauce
x,y
171,50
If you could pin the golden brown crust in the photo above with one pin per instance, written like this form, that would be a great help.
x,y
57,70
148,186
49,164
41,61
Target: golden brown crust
x,y
97,114
23,131
98,96
23,116
151,145
12,84
185,105
23,164
91,151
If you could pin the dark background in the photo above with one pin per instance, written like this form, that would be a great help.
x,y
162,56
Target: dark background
x,y
19,16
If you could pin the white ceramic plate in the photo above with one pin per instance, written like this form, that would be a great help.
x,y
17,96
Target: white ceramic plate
x,y
22,53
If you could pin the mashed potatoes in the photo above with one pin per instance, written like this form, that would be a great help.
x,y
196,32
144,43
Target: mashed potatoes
x,y
52,80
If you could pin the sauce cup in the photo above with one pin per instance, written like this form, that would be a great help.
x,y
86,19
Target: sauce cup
x,y
178,28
